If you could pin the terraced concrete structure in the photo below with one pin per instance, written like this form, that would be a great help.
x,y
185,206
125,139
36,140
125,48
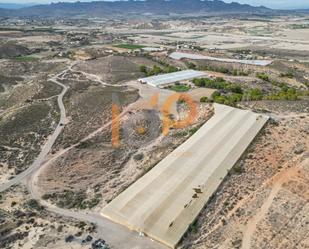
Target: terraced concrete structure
x,y
164,202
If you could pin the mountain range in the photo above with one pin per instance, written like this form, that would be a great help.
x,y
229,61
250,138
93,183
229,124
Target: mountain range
x,y
127,8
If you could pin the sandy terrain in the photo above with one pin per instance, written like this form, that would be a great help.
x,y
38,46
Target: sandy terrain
x,y
261,203
198,93
232,34
40,38
264,200
23,220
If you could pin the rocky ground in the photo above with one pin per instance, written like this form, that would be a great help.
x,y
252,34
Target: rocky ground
x,y
95,172
24,223
115,69
263,203
89,106
28,114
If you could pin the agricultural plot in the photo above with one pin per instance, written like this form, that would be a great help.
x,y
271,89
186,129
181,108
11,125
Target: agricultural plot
x,y
164,202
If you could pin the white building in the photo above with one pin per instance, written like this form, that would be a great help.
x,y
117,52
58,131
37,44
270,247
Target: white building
x,y
165,79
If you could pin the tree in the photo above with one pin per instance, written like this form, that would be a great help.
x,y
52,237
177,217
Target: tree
x,y
255,94
263,76
215,94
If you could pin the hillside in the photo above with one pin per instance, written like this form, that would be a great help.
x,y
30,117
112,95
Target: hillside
x,y
158,7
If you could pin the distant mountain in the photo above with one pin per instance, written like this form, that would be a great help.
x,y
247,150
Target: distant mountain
x,y
14,5
125,8
303,10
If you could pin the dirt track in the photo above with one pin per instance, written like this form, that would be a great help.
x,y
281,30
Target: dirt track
x,y
276,183
116,235
48,145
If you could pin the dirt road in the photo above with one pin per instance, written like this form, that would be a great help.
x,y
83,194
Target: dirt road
x,y
116,235
276,184
48,145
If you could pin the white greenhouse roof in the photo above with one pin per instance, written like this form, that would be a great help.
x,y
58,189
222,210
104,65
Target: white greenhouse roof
x,y
181,55
172,77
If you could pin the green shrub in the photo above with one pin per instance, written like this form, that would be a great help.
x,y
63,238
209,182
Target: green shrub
x,y
215,94
190,65
255,94
34,204
287,75
290,94
234,72
193,228
129,46
155,70
180,88
143,69
218,83
204,100
263,76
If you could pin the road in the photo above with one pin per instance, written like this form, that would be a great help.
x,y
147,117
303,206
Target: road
x,y
116,235
48,145
276,184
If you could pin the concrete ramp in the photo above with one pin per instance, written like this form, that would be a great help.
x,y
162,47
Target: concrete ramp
x,y
164,202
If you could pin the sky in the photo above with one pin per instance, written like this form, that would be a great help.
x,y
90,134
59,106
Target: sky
x,y
276,4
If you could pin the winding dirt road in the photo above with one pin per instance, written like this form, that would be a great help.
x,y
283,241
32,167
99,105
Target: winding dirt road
x,y
48,145
116,235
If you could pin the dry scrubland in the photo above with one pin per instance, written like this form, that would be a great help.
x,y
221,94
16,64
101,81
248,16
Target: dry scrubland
x,y
264,200
24,220
115,69
262,203
98,172
89,106
29,113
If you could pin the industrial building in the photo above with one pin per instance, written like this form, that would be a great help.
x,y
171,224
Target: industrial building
x,y
164,202
165,79
181,55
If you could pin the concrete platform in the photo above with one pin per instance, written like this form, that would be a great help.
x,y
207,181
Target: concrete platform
x,y
164,202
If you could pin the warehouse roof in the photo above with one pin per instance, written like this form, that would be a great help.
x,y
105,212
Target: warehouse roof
x,y
181,55
172,77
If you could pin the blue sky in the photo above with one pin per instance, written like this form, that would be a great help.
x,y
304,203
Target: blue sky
x,y
278,4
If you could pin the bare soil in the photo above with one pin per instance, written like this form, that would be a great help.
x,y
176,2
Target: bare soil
x,y
263,202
